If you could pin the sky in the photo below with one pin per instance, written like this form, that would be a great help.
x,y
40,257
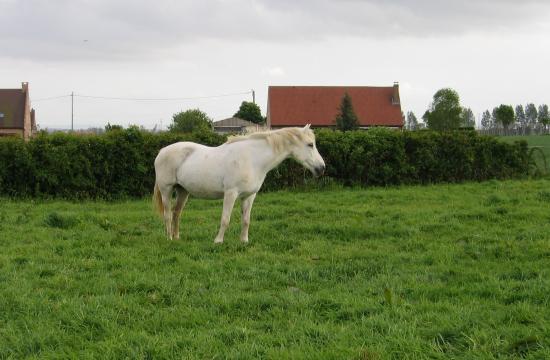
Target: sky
x,y
210,54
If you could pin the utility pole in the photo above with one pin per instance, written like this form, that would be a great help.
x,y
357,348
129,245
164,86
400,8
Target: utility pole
x,y
253,96
72,111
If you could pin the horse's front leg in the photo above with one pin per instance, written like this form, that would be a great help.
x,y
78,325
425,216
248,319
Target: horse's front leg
x,y
246,206
228,202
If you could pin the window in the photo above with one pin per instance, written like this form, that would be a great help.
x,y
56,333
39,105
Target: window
x,y
1,115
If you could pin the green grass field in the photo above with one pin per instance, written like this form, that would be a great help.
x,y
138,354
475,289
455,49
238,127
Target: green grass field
x,y
435,272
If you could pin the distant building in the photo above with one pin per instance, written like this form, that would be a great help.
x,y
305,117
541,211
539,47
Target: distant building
x,y
236,125
16,116
318,105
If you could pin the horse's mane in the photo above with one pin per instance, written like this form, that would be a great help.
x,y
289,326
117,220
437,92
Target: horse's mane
x,y
278,139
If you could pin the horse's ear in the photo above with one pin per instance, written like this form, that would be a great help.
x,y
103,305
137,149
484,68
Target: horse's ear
x,y
307,126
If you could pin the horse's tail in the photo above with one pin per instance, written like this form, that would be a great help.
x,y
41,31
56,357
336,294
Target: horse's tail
x,y
157,200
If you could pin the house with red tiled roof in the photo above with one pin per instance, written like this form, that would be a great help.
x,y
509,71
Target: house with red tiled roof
x,y
318,105
16,116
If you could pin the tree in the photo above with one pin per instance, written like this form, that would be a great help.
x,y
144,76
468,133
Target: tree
x,y
412,121
190,121
468,118
494,119
445,111
486,120
251,112
505,115
346,118
531,114
425,117
113,127
520,117
543,116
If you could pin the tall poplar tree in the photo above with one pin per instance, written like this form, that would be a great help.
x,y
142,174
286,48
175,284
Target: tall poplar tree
x,y
412,121
486,120
468,118
520,116
543,116
531,115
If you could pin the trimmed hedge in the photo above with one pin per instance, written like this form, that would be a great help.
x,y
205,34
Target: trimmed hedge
x,y
388,157
115,165
120,163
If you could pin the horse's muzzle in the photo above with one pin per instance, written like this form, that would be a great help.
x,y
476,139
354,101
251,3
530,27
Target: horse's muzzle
x,y
319,170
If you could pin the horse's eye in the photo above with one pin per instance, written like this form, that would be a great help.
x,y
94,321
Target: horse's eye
x,y
310,145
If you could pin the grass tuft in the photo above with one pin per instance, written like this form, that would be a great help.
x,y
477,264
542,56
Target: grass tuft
x,y
57,220
544,196
523,346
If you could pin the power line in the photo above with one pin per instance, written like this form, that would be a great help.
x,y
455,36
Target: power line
x,y
72,95
51,98
161,99
144,99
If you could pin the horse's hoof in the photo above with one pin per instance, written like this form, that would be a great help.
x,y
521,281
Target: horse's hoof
x,y
217,241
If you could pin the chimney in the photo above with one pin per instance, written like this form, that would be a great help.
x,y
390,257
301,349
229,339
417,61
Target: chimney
x,y
27,127
395,100
33,121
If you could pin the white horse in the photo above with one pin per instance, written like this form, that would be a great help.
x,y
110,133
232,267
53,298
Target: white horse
x,y
232,170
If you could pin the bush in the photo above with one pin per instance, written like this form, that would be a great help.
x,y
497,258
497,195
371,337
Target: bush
x,y
120,163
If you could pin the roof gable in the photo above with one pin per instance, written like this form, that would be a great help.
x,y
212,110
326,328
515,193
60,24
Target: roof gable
x,y
318,105
233,121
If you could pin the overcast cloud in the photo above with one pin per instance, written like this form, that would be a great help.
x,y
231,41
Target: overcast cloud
x,y
491,51
103,29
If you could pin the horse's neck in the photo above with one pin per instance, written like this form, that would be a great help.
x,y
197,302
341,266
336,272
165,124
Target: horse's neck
x,y
266,158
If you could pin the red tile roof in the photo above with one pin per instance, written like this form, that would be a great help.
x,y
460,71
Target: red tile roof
x,y
318,105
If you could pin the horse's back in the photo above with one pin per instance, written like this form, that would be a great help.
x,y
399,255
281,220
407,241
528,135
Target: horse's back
x,y
171,157
202,172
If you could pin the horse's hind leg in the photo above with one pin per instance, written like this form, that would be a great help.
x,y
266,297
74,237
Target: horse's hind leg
x,y
166,195
181,199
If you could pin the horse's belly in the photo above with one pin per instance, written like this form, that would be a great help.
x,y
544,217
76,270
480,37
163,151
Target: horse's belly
x,y
201,187
205,194
200,182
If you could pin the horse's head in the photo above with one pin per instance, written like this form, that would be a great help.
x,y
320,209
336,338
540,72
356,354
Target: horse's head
x,y
305,152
